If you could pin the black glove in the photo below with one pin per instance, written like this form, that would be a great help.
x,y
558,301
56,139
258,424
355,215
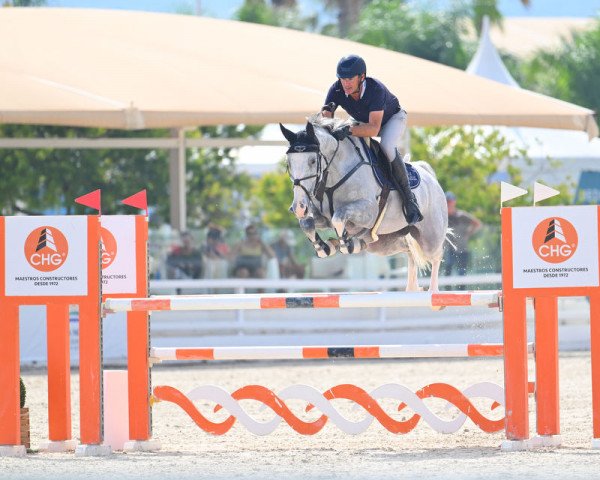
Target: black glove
x,y
340,133
330,107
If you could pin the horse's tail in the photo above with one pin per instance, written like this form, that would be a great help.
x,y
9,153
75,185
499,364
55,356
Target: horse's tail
x,y
416,251
450,234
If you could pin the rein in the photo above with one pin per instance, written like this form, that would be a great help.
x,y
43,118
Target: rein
x,y
321,189
329,191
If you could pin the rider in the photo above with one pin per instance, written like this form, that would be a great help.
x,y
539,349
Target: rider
x,y
369,101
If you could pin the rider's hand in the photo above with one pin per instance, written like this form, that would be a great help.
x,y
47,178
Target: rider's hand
x,y
341,133
330,107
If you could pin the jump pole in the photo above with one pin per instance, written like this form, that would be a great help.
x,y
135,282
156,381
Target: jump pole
x,y
312,300
159,354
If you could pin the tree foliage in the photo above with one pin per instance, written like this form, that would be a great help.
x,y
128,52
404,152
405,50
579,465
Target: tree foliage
x,y
277,13
464,159
570,73
398,26
272,195
34,181
216,189
38,180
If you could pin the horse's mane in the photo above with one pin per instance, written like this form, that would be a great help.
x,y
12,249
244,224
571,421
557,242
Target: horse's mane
x,y
328,124
319,120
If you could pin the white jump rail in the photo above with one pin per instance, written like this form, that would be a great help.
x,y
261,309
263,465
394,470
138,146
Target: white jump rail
x,y
159,354
481,298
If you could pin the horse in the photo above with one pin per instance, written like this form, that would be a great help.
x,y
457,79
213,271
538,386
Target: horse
x,y
335,187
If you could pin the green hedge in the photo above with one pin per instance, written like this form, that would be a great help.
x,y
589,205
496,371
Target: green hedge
x,y
23,393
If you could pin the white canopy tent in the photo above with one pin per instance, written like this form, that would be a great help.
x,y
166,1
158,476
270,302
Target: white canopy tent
x,y
135,70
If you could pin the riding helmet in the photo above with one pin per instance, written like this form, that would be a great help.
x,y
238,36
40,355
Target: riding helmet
x,y
350,66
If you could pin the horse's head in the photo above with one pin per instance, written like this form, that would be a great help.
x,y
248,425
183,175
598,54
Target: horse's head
x,y
303,162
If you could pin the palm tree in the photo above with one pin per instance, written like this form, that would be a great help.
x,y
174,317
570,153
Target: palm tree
x,y
348,13
481,8
24,3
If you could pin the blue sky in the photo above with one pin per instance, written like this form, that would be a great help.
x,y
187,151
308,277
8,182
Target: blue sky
x,y
225,8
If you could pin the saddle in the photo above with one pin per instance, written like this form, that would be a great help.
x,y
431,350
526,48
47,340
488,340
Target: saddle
x,y
381,166
382,172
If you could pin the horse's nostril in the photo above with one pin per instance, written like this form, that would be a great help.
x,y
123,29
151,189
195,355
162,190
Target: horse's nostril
x,y
291,209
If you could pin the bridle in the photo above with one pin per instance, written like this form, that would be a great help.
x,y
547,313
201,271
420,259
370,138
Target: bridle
x,y
320,188
320,175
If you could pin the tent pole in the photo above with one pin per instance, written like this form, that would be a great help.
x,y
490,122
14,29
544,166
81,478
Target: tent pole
x,y
177,182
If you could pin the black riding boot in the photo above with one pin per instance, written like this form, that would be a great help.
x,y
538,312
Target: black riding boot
x,y
409,202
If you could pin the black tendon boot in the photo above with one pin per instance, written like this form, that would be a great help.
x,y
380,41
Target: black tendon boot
x,y
409,202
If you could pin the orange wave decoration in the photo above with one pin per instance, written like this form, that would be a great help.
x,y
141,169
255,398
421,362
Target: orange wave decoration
x,y
170,394
456,397
345,391
366,401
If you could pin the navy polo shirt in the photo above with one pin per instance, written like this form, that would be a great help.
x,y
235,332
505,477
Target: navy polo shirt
x,y
376,97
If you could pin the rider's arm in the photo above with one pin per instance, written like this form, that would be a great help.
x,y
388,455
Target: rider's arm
x,y
370,129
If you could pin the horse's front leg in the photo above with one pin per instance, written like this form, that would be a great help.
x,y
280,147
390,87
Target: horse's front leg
x,y
323,248
362,214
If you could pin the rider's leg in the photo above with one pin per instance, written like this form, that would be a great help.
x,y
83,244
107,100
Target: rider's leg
x,y
391,136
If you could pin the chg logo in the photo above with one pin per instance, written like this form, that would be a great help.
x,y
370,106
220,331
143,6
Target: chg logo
x,y
46,249
555,240
108,247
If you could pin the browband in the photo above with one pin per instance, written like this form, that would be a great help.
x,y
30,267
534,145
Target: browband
x,y
303,147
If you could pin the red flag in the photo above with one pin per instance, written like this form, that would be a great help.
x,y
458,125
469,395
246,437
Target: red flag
x,y
91,200
137,200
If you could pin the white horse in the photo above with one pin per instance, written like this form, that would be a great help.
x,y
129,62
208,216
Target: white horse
x,y
334,187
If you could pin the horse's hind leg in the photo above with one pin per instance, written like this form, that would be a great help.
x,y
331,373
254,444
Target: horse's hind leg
x,y
435,271
412,281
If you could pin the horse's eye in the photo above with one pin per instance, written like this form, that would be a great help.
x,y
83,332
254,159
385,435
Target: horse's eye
x,y
312,161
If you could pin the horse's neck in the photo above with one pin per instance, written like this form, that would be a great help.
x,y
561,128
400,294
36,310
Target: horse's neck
x,y
345,159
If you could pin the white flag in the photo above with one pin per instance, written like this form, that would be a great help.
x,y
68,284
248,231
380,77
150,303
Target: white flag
x,y
542,192
508,192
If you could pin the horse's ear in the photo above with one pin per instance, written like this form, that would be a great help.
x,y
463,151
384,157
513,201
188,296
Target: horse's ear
x,y
310,130
288,134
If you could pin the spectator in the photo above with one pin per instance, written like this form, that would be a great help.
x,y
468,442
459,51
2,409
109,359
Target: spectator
x,y
185,261
216,253
215,247
463,225
249,255
288,266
